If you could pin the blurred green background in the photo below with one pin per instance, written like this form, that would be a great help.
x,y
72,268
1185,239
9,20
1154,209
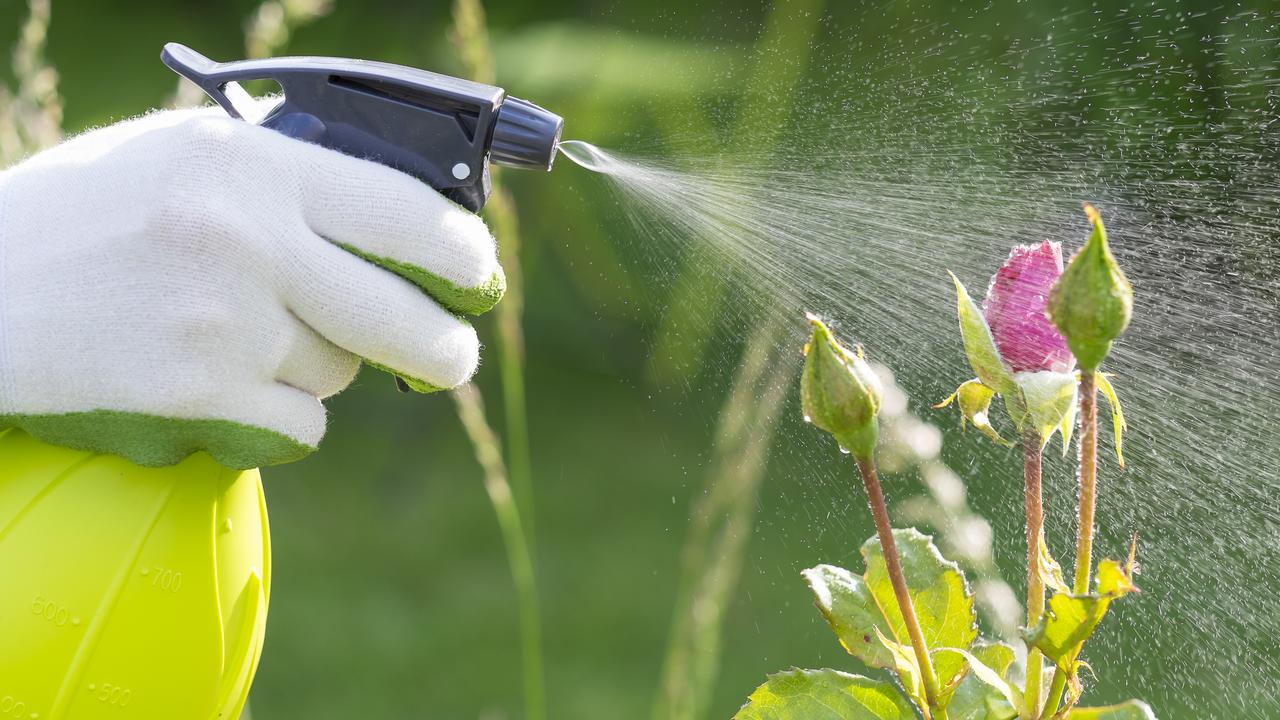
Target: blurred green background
x,y
392,596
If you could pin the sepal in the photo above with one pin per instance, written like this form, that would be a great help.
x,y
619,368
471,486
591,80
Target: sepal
x,y
1117,415
979,343
1048,405
974,401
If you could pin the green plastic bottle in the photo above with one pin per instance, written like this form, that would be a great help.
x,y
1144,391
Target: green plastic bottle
x,y
128,592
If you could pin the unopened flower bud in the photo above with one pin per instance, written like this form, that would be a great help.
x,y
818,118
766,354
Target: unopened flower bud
x,y
1092,302
1015,310
839,392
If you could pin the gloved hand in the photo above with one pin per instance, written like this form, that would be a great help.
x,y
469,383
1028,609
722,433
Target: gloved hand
x,y
185,281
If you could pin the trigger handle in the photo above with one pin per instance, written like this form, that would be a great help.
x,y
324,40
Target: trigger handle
x,y
204,73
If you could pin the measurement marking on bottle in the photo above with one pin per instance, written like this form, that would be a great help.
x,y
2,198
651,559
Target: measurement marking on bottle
x,y
53,613
12,707
111,694
164,578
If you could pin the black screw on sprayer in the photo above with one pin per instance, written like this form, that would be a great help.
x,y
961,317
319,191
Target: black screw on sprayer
x,y
440,129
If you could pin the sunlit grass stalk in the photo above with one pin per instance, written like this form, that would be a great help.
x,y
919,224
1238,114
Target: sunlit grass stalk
x,y
470,37
31,113
1031,470
1088,500
880,512
720,527
489,454
501,215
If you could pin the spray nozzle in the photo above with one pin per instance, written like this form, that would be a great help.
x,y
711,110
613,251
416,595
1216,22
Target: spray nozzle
x,y
439,129
525,135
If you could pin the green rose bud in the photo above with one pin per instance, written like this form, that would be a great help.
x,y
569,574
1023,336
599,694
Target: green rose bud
x,y
839,392
1092,301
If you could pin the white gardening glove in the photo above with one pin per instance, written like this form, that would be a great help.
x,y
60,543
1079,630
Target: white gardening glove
x,y
185,281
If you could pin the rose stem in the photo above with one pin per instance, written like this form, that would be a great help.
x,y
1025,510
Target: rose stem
x,y
1035,582
880,511
1088,499
1088,480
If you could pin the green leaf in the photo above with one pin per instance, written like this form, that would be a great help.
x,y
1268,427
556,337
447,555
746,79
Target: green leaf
x,y
1071,619
942,600
995,655
824,695
974,400
1050,570
979,345
1115,580
849,608
1050,402
1131,710
904,661
1117,415
861,608
982,693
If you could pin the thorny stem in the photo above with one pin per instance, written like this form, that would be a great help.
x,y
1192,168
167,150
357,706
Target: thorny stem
x,y
1088,500
880,511
1088,480
1031,453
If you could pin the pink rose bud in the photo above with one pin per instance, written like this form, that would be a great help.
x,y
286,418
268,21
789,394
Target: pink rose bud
x,y
1015,310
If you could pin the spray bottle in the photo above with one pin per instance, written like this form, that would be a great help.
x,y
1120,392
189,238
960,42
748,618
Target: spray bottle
x,y
130,592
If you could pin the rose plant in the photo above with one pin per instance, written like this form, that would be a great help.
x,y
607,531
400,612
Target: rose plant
x,y
910,611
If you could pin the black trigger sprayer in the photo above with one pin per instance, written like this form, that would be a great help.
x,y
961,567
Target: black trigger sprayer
x,y
440,129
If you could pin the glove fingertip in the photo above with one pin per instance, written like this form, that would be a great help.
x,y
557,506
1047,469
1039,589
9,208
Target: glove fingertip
x,y
482,298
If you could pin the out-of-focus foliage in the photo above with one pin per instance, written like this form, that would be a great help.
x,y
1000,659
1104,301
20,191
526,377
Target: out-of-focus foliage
x,y
30,112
